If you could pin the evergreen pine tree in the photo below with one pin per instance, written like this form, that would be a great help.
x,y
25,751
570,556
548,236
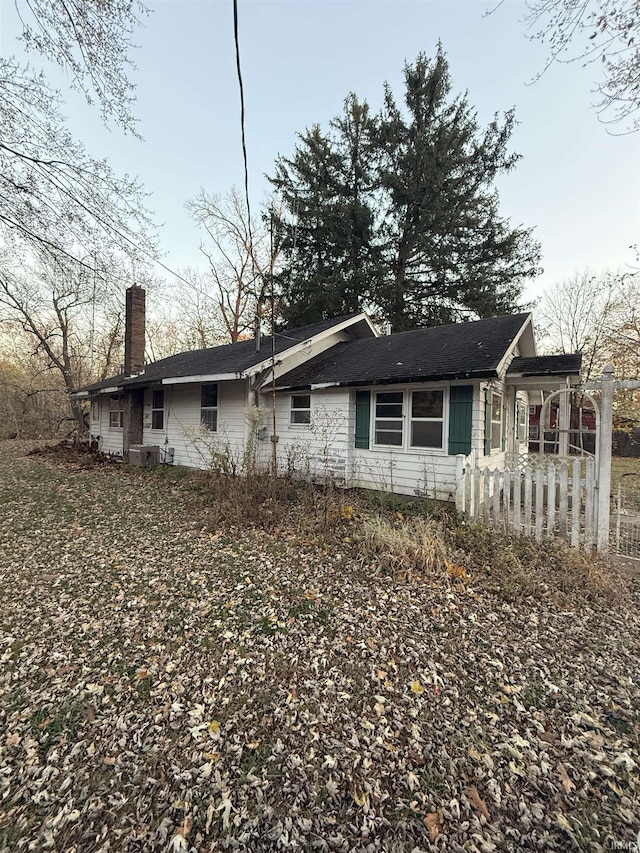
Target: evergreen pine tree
x,y
397,213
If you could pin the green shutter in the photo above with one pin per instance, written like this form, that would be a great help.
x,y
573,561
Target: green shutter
x,y
363,418
460,412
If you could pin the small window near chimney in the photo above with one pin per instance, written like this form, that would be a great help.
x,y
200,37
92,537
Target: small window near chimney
x,y
209,407
157,410
116,411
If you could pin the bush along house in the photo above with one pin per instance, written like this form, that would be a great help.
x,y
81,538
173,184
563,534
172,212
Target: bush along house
x,y
336,399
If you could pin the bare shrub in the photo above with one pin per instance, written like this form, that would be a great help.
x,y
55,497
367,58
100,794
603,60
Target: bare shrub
x,y
517,566
410,547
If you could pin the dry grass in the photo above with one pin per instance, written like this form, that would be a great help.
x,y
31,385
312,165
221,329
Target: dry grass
x,y
517,566
510,566
403,548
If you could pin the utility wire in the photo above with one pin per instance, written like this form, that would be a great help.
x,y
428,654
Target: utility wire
x,y
244,143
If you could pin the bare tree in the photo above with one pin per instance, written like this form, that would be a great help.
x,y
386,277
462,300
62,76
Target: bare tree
x,y
241,258
606,32
33,401
574,317
92,41
65,215
72,318
54,196
623,339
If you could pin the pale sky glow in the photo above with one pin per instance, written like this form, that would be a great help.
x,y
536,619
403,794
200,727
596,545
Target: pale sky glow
x,y
577,184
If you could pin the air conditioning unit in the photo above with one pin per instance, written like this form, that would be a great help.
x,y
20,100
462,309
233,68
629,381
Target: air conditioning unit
x,y
143,455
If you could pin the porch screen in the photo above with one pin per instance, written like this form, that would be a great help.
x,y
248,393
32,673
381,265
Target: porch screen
x,y
460,409
363,419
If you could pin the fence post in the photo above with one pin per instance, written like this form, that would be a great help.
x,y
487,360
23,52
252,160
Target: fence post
x,y
604,459
576,503
460,482
551,499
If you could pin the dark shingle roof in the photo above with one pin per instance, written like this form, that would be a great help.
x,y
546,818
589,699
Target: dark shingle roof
x,y
459,351
546,365
228,358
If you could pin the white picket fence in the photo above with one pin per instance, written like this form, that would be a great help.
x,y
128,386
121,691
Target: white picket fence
x,y
559,499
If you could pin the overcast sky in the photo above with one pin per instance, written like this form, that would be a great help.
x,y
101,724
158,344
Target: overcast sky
x,y
577,184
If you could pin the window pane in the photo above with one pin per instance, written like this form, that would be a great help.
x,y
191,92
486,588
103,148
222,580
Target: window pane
x,y
114,403
496,438
496,407
391,397
301,401
388,410
426,434
209,419
426,404
386,437
157,419
395,426
209,396
301,417
158,400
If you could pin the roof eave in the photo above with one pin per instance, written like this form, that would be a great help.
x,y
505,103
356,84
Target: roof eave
x,y
396,380
201,378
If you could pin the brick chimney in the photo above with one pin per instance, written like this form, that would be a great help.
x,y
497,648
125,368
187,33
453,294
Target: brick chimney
x,y
134,331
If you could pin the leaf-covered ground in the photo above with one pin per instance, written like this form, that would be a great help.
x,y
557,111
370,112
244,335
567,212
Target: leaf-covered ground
x,y
165,686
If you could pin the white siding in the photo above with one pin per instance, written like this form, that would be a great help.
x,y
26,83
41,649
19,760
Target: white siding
x,y
417,473
327,447
193,444
109,438
406,471
316,451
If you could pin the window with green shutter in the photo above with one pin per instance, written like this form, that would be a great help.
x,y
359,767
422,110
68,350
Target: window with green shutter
x,y
460,415
363,419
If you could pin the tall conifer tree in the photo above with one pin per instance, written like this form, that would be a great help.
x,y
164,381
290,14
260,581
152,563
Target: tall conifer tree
x,y
398,213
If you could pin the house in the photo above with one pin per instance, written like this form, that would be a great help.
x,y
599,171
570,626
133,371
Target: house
x,y
334,399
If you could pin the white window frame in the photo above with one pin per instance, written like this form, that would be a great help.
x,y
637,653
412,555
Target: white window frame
x,y
379,392
499,422
207,409
155,409
413,420
294,410
95,410
407,392
522,419
119,412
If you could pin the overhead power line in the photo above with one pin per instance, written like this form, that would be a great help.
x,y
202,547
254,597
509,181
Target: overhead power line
x,y
244,143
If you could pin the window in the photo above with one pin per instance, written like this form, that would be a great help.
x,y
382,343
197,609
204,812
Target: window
x,y
300,409
157,409
209,407
496,421
95,409
116,412
427,418
388,421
